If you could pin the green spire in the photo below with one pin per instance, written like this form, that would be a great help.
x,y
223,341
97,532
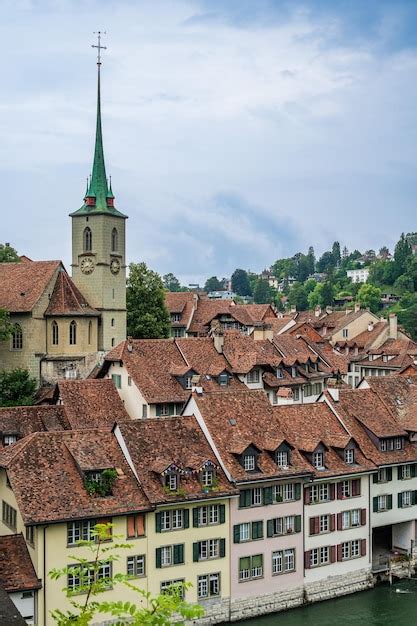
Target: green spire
x,y
99,196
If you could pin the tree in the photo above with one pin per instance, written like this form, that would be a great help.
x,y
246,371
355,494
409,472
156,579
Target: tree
x,y
240,283
303,268
263,292
6,326
402,253
326,262
213,284
322,295
8,254
311,260
171,282
370,297
159,610
408,320
336,253
17,388
297,297
147,316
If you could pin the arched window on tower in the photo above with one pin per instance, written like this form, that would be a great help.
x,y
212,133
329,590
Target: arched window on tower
x,y
55,333
90,331
88,239
17,337
114,240
73,333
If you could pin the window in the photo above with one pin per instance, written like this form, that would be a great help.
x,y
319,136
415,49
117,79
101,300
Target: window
x,y
9,516
256,496
350,519
80,577
9,439
55,333
170,520
283,493
166,556
207,476
294,372
79,531
178,332
296,394
394,443
113,341
398,443
188,382
144,411
350,456
249,462
73,333
175,317
324,523
346,489
406,498
382,503
114,240
281,458
283,561
308,390
30,535
350,549
173,587
250,497
405,472
244,531
345,333
253,376
223,380
208,549
135,526
172,481
164,410
17,337
319,493
113,322
207,515
117,380
90,331
88,240
383,475
250,567
320,556
280,373
208,586
318,460
136,566
284,525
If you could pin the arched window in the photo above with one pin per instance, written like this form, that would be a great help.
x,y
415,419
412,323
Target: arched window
x,y
88,239
90,331
55,333
114,240
17,337
113,323
73,333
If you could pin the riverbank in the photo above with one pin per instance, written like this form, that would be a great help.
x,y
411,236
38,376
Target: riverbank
x,y
381,606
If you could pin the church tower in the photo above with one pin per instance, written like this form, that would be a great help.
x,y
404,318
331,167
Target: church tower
x,y
99,245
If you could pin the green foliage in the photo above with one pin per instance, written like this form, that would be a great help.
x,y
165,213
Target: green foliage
x,y
8,254
104,486
162,610
298,297
263,293
147,316
240,283
326,262
370,296
408,320
171,283
6,327
322,295
213,284
16,388
402,253
336,253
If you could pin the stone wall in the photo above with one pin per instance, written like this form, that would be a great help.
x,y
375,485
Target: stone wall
x,y
334,586
253,606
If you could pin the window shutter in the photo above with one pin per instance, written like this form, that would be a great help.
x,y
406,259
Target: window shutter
x,y
243,498
332,520
254,530
339,552
297,525
389,473
158,557
414,497
307,556
339,521
332,554
158,410
316,525
363,547
222,513
236,533
260,530
313,525
375,504
195,551
267,492
339,491
222,547
363,517
389,502
158,524
331,491
140,525
195,517
413,470
356,487
186,518
131,526
270,528
178,553
248,497
399,472
297,491
307,495
400,500
374,478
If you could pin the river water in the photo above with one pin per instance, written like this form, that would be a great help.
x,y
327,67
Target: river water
x,y
381,606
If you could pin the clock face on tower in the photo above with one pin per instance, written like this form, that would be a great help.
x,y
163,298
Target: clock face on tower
x,y
87,265
115,266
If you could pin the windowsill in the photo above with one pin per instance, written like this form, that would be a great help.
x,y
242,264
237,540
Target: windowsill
x,y
320,565
134,538
171,530
248,580
135,576
209,558
352,558
288,571
208,598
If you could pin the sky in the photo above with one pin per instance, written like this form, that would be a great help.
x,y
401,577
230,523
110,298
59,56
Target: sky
x,y
236,132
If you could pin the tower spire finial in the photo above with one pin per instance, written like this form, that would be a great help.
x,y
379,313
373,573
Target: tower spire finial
x,y
99,47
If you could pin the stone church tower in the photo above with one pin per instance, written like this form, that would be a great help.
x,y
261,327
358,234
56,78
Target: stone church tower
x,y
99,248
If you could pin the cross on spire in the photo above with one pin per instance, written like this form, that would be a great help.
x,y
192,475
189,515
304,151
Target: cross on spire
x,y
99,47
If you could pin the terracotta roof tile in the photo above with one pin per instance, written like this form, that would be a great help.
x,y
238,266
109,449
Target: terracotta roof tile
x,y
22,284
91,403
67,299
25,420
16,568
243,353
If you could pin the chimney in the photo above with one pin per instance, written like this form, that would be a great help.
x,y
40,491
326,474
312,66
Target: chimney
x,y
393,326
357,307
293,308
317,311
329,310
129,344
370,326
218,339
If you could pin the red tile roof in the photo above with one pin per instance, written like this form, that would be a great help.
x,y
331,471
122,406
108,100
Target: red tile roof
x,y
25,420
181,302
67,299
16,568
22,284
243,353
92,403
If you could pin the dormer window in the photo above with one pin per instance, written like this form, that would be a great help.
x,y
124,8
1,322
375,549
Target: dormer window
x,y
223,379
294,372
189,382
100,482
175,317
253,376
393,443
282,458
172,481
249,462
349,456
318,460
9,439
280,373
207,477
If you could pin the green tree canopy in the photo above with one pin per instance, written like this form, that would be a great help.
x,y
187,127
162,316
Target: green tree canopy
x,y
171,282
147,316
16,388
408,320
6,326
213,284
369,296
402,253
322,295
297,297
336,253
240,283
326,262
263,293
8,254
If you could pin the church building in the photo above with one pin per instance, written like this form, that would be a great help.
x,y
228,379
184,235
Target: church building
x,y
63,326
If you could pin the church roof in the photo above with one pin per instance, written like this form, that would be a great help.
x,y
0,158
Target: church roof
x,y
22,284
67,299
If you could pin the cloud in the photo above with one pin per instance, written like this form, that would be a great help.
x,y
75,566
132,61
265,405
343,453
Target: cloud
x,y
235,131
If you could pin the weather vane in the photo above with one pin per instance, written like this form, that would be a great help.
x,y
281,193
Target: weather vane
x,y
99,47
